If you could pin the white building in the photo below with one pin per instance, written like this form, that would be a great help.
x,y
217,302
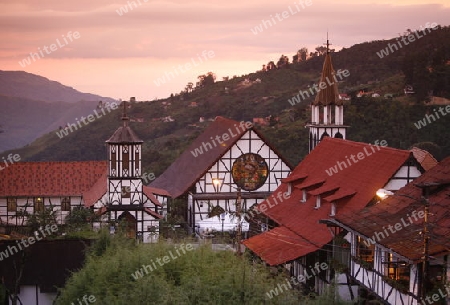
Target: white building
x,y
228,155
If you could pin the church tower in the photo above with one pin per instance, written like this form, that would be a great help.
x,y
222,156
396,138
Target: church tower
x,y
124,167
327,109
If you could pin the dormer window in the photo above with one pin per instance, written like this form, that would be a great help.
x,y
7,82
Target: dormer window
x,y
333,209
304,197
318,202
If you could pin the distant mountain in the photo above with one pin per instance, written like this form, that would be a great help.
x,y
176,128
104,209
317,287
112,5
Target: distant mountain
x,y
31,105
384,112
35,87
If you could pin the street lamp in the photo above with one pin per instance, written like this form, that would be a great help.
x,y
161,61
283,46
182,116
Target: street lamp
x,y
217,182
382,193
222,217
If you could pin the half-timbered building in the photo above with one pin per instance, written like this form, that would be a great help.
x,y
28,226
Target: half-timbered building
x,y
228,159
399,248
337,177
114,189
323,185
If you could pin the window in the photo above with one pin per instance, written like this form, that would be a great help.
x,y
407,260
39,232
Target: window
x,y
126,190
38,204
318,202
303,196
333,209
12,204
65,204
396,269
365,252
113,159
125,160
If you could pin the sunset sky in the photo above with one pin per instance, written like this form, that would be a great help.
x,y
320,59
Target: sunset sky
x,y
123,55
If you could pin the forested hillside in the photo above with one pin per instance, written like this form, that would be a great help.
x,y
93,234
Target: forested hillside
x,y
168,126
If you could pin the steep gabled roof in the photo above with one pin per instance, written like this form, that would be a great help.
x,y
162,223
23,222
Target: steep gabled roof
x,y
194,162
401,208
330,94
351,189
50,178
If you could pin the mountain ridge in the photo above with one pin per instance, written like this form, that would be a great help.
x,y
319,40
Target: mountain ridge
x,y
167,126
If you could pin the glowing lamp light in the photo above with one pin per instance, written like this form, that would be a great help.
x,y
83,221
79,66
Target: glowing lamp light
x,y
216,181
382,193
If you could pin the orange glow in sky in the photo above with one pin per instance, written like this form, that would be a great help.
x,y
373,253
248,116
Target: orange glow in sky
x,y
121,48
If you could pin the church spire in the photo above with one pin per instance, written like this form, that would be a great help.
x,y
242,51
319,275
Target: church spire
x,y
330,94
125,118
327,110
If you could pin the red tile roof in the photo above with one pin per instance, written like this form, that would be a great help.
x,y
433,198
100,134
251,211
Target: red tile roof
x,y
357,185
78,178
50,178
158,191
279,244
148,192
399,209
153,213
96,192
425,159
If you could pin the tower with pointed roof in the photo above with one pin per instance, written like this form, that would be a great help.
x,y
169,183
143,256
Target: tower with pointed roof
x,y
124,166
327,109
127,198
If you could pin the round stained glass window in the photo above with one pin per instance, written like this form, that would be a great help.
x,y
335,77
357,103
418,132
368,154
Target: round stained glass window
x,y
249,171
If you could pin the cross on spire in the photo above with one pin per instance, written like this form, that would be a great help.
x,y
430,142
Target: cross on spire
x,y
124,114
328,44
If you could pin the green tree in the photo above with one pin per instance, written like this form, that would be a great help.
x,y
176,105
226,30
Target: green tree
x,y
43,218
198,276
206,79
79,222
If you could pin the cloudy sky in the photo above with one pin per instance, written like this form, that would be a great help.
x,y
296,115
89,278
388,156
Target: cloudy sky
x,y
120,48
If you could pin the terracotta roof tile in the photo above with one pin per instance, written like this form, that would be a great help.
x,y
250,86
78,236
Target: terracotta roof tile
x,y
425,159
357,184
279,246
400,208
50,178
96,192
153,213
148,192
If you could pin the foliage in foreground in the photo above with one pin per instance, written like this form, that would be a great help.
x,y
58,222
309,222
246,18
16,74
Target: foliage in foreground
x,y
199,276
